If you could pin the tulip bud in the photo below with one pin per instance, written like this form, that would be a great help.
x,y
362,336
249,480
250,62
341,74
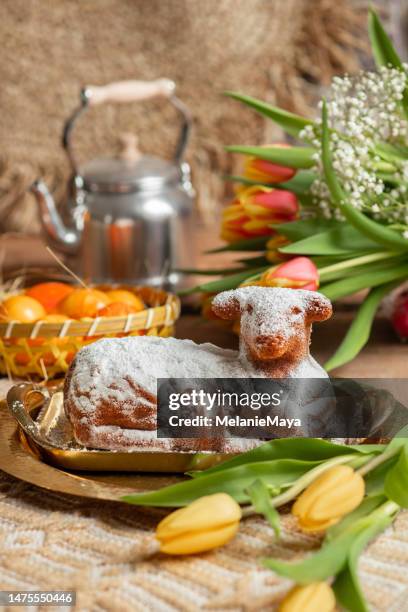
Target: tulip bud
x,y
233,218
275,205
399,318
263,171
297,273
206,523
276,242
331,496
255,209
309,598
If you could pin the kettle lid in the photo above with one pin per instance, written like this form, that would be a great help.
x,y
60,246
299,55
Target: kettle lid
x,y
122,175
129,171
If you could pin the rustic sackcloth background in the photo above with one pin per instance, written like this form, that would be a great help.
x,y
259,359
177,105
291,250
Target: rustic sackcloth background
x,y
274,50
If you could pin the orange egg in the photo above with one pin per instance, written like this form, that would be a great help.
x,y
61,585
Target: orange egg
x,y
22,359
55,318
22,308
117,309
126,297
83,303
49,294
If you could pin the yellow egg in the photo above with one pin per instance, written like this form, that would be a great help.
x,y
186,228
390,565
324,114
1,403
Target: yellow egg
x,y
126,297
83,303
22,308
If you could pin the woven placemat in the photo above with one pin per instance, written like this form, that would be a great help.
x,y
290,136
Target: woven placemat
x,y
102,550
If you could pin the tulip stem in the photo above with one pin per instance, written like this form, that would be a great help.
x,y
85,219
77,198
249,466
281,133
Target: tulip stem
x,y
302,483
378,460
248,511
389,508
356,261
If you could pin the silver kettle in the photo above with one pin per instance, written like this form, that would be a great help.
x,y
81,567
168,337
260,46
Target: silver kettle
x,y
129,219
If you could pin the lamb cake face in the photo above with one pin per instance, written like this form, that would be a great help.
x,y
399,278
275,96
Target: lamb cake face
x,y
110,389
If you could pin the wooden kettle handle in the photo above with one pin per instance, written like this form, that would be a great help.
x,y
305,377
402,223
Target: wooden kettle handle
x,y
129,91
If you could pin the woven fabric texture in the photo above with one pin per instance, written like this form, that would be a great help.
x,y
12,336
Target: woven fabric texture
x,y
103,551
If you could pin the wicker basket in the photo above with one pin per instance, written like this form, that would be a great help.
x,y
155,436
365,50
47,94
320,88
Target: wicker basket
x,y
46,349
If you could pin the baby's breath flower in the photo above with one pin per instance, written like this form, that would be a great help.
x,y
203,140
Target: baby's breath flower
x,y
363,112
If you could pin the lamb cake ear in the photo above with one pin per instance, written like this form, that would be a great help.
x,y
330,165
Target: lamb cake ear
x,y
319,307
226,305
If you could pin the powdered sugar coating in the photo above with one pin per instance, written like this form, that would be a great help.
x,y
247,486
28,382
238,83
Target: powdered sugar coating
x,y
140,361
110,391
273,310
281,317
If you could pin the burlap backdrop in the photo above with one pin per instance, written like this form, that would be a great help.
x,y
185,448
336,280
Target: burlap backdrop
x,y
276,50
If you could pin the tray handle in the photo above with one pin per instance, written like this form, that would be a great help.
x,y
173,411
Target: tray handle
x,y
21,399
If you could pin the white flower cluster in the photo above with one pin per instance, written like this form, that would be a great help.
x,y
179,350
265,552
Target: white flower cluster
x,y
365,115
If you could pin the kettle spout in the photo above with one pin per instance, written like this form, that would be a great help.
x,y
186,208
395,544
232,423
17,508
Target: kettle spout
x,y
67,239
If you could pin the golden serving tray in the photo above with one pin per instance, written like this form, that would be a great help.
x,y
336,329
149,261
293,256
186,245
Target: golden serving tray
x,y
37,446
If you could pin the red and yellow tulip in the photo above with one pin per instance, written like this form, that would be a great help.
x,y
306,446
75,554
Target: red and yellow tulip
x,y
297,273
255,209
263,171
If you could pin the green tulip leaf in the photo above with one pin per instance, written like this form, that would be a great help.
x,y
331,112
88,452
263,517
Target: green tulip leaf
x,y
399,440
333,555
291,123
391,153
254,262
383,49
228,282
234,482
336,241
326,562
346,585
299,230
358,265
341,288
261,500
308,449
375,479
299,184
213,271
359,331
249,244
369,503
294,157
396,480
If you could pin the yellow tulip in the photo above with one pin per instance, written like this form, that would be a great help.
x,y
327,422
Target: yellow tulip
x,y
206,523
309,598
331,496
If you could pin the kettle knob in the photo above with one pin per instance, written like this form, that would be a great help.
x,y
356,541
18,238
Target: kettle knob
x,y
129,150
